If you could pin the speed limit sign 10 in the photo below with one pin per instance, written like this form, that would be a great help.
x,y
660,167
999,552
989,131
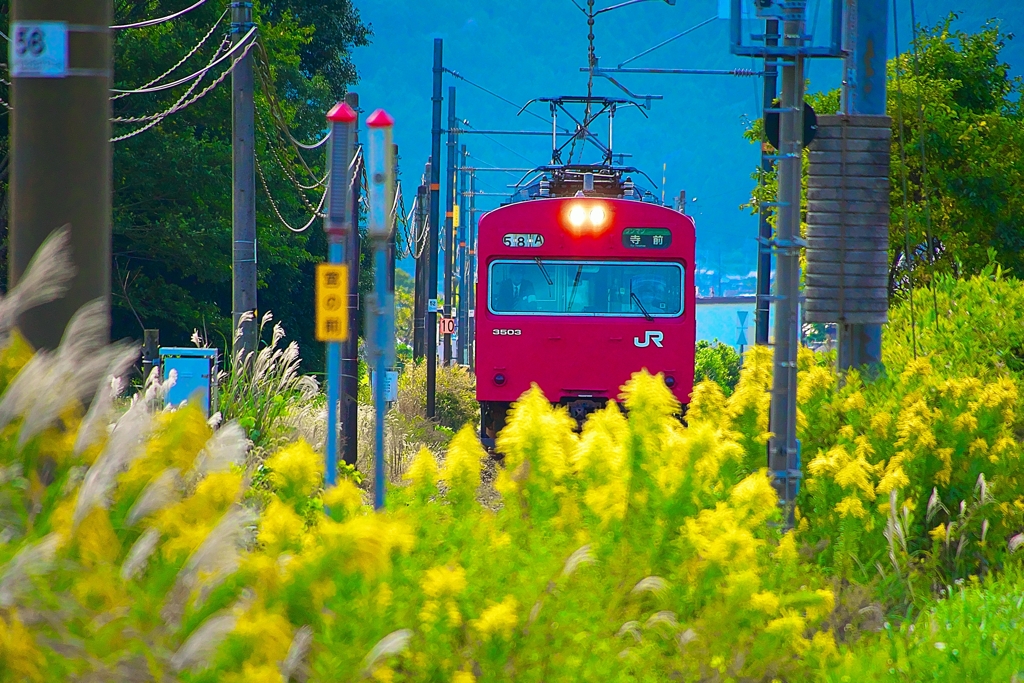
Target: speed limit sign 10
x,y
39,49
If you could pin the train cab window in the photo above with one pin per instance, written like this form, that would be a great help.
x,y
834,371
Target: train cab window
x,y
585,288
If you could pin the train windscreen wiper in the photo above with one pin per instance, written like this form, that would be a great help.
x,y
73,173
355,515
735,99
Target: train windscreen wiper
x,y
544,272
575,284
635,298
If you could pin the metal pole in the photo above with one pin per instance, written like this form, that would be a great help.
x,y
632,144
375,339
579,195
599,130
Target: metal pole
x,y
764,232
392,243
420,297
60,166
380,310
783,447
150,353
342,119
860,344
435,210
350,347
243,197
460,352
471,299
449,223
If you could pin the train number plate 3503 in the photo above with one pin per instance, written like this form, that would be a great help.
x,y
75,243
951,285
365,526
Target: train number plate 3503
x,y
523,239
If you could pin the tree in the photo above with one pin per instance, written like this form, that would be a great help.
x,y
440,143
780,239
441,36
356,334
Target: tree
x,y
172,201
172,183
966,196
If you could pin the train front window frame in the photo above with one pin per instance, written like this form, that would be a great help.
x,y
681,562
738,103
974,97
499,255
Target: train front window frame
x,y
586,288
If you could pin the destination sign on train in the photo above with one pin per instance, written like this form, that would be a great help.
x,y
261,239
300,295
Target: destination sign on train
x,y
646,238
523,239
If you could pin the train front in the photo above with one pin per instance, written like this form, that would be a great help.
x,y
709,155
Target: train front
x,y
576,294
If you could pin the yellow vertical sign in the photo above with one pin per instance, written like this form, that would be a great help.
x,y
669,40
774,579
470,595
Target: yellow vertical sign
x,y
331,302
455,216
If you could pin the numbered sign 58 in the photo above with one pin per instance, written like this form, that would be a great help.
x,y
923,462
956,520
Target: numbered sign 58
x,y
39,49
446,325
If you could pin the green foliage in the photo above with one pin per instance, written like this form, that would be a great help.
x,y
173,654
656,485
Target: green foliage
x,y
717,362
172,183
973,326
960,101
263,390
638,550
972,635
454,398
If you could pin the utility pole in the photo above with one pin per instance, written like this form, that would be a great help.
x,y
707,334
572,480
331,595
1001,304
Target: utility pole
x,y
243,182
350,347
764,232
420,296
782,449
435,210
450,220
860,343
463,309
60,167
471,299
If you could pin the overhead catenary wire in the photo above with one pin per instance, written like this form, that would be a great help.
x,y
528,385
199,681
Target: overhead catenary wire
x,y
161,20
198,46
460,77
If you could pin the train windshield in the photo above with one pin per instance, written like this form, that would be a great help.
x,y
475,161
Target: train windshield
x,y
586,288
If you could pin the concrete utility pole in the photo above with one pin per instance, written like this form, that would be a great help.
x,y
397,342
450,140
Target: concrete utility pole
x,y
350,348
449,223
764,254
60,167
782,450
463,326
435,218
243,183
861,343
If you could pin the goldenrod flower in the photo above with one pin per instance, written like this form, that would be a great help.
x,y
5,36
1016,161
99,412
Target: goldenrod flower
x,y
18,650
461,469
463,677
765,601
280,527
444,581
296,469
851,506
345,497
938,533
499,619
422,471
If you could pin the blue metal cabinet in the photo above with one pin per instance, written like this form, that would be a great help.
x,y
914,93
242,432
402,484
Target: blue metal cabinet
x,y
196,370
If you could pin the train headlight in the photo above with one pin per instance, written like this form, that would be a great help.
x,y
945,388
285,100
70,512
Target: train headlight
x,y
587,217
577,216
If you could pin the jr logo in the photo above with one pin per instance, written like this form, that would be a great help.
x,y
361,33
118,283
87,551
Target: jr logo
x,y
649,337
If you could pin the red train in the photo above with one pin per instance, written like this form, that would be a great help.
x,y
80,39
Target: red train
x,y
582,283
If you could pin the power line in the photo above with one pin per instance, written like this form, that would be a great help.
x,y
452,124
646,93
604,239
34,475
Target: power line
x,y
317,212
244,42
174,107
178,106
161,20
184,59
